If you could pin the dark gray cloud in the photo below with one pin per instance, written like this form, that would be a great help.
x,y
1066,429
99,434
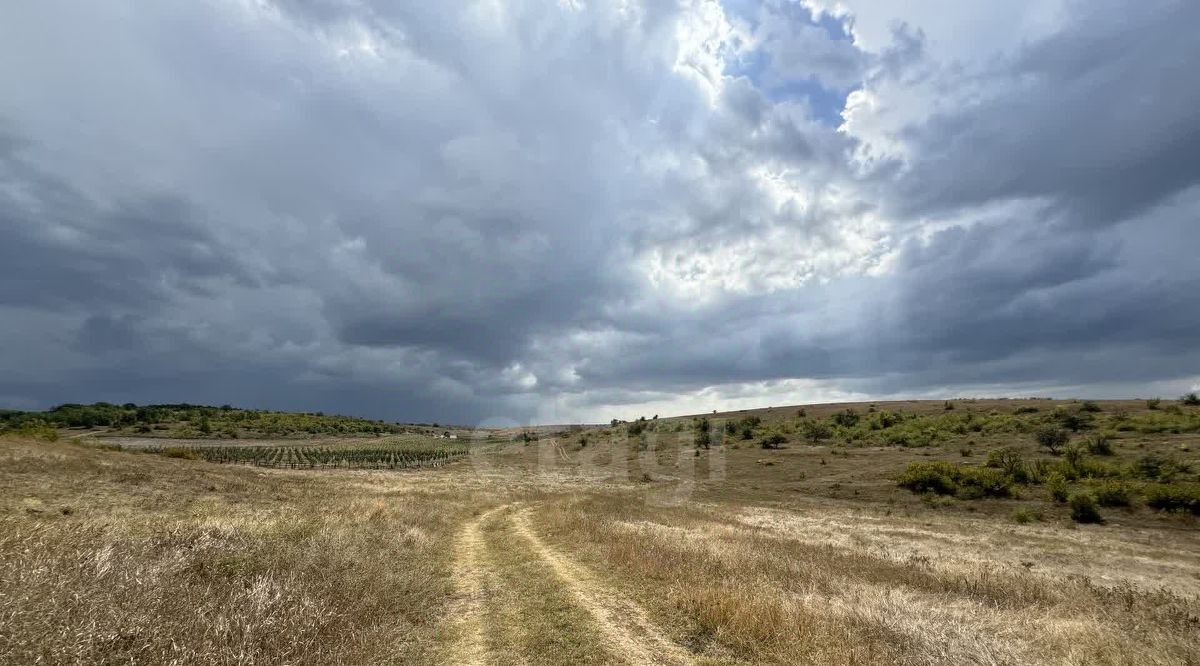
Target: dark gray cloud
x,y
1096,119
554,212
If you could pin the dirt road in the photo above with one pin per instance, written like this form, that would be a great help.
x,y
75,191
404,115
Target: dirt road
x,y
522,601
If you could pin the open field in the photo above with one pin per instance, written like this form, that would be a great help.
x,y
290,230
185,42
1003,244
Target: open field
x,y
769,537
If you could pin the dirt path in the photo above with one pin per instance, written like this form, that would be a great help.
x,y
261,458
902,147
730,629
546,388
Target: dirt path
x,y
471,575
506,576
623,623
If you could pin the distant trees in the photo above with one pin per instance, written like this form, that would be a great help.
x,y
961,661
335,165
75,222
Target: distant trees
x,y
193,420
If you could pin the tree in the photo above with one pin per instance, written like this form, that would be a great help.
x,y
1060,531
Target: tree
x,y
702,434
1074,421
773,441
1052,438
847,418
815,431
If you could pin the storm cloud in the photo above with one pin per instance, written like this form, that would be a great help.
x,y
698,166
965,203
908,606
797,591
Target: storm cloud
x,y
582,210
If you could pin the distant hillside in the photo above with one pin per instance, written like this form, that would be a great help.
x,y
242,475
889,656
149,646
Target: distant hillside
x,y
184,420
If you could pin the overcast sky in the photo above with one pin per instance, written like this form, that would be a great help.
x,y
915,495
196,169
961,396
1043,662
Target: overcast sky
x,y
558,211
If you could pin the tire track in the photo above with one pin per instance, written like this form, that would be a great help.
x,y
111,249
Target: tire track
x,y
620,620
470,646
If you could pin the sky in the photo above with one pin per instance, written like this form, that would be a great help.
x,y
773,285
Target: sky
x,y
544,212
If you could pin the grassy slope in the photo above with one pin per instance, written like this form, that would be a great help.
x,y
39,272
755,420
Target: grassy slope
x,y
603,552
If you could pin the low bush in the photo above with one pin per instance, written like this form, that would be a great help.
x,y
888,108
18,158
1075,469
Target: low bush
x,y
1011,463
1074,456
930,477
1056,485
943,478
1153,403
1190,399
1112,493
702,434
978,482
773,441
1025,515
847,418
815,431
885,419
1154,468
1074,421
1089,406
1083,509
1097,469
1175,497
1099,445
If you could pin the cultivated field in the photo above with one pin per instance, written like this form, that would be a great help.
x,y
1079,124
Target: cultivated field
x,y
925,532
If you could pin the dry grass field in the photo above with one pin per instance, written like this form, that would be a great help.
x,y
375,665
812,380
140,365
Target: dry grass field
x,y
625,544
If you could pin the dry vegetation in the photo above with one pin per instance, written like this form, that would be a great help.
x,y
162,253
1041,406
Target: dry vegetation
x,y
637,543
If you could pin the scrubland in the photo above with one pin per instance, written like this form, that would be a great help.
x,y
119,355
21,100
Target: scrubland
x,y
925,532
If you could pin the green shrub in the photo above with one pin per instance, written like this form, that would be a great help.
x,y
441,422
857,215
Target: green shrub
x,y
1025,515
702,433
1155,468
930,477
1153,403
1097,469
1056,485
943,478
847,418
886,419
1010,461
977,482
1111,493
1083,509
1100,445
773,441
1089,406
1050,437
180,452
1025,410
1073,455
1191,399
1074,421
1180,497
815,431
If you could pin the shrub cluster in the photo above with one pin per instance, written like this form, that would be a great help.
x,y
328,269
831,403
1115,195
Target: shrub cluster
x,y
742,428
1113,493
1083,509
1175,497
943,478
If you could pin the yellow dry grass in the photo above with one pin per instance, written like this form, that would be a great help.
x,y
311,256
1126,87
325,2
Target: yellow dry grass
x,y
549,553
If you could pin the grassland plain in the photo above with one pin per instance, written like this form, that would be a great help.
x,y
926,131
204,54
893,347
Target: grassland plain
x,y
758,538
